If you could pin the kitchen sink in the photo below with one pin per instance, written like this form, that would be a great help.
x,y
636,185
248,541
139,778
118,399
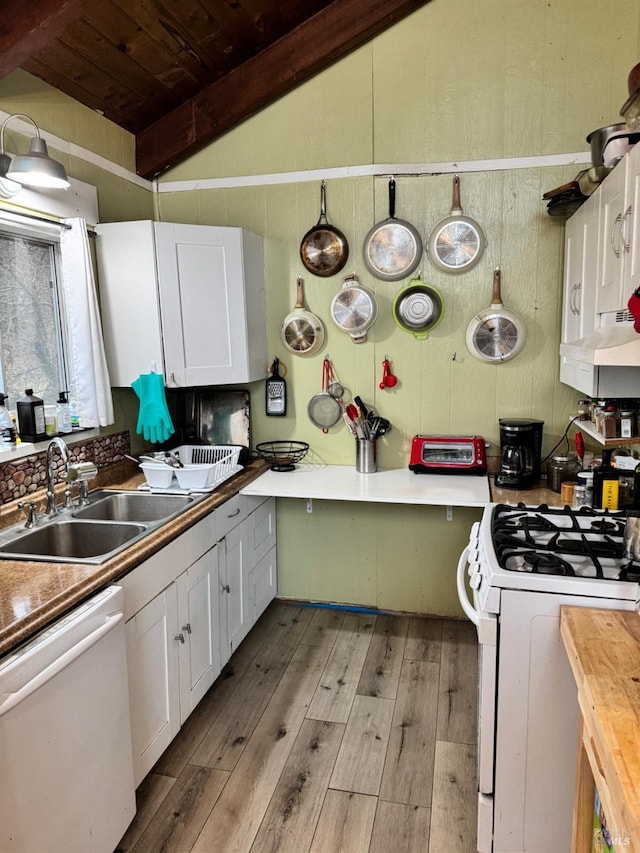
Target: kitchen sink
x,y
108,524
133,506
71,540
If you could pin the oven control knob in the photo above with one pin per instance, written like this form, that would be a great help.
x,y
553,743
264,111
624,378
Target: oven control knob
x,y
475,580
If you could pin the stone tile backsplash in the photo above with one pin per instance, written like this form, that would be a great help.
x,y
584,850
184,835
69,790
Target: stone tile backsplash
x,y
29,474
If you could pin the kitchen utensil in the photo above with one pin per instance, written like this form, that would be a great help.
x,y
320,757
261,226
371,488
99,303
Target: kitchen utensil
x,y
388,379
282,455
366,456
496,334
392,248
354,309
356,419
610,143
324,249
456,243
275,392
418,308
302,332
378,426
324,409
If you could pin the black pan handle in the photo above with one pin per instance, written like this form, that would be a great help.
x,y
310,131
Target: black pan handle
x,y
392,198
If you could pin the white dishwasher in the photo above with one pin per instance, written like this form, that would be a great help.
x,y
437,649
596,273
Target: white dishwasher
x,y
65,742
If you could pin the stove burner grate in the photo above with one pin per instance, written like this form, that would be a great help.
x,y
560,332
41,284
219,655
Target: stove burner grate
x,y
558,541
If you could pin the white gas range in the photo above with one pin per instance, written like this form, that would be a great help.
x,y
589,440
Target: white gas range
x,y
523,563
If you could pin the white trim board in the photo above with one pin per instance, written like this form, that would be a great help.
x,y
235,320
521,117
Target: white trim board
x,y
377,170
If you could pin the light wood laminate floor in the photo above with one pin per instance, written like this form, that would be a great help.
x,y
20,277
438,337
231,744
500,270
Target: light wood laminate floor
x,y
328,732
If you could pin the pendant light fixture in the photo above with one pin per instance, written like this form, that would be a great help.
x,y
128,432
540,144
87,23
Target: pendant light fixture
x,y
36,169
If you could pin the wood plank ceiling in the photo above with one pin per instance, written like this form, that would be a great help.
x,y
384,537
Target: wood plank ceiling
x,y
180,73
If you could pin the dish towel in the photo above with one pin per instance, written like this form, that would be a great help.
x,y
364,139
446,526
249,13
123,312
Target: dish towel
x,y
154,420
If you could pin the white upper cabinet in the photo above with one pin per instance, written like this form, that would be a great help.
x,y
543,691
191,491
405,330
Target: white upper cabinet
x,y
184,300
580,270
619,268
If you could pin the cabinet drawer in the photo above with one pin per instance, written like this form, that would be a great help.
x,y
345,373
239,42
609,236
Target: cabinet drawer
x,y
230,514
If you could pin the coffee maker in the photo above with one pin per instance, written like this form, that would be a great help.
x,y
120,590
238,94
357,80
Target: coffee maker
x,y
521,453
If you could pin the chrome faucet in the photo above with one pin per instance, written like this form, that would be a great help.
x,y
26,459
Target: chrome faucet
x,y
56,441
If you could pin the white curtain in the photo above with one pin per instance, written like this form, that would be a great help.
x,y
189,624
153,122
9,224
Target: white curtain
x,y
88,363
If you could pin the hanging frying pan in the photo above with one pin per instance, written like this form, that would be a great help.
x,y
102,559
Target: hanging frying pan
x,y
324,249
495,334
302,332
392,248
456,243
354,309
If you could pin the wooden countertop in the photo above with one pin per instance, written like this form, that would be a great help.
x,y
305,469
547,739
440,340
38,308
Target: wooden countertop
x,y
603,647
32,594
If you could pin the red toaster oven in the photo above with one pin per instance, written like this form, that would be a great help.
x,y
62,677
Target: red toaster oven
x,y
448,454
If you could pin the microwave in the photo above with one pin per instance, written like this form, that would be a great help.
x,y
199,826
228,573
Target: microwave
x,y
448,454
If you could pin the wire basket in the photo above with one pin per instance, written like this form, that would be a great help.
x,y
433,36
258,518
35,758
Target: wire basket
x,y
223,457
282,455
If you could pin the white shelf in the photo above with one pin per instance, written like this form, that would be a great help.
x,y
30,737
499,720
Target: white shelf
x,y
399,485
588,427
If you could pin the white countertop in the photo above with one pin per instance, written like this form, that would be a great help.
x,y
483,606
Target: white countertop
x,y
344,483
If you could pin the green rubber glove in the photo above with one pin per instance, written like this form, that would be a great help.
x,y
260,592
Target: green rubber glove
x,y
154,420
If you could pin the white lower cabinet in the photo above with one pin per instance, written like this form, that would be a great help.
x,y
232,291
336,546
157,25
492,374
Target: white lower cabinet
x,y
187,608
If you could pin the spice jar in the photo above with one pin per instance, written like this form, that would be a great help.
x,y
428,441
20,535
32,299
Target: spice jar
x,y
627,423
559,469
584,410
610,423
579,496
584,480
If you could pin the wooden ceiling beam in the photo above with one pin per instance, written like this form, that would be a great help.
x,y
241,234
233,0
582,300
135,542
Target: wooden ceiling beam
x,y
311,47
26,27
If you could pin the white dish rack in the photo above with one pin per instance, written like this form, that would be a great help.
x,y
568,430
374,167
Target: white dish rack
x,y
218,463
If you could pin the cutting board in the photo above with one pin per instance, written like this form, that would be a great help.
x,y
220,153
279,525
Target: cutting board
x,y
224,417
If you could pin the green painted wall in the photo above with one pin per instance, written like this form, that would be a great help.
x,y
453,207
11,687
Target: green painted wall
x,y
456,81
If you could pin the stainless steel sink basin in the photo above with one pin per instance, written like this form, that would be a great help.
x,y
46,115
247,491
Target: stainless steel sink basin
x,y
133,506
71,540
110,523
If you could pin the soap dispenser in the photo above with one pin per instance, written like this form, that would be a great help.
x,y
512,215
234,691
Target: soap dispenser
x,y
63,413
7,429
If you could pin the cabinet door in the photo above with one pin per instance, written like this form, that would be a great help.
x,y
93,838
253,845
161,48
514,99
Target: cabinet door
x,y
580,271
262,584
610,295
262,530
234,568
199,646
152,661
631,229
204,304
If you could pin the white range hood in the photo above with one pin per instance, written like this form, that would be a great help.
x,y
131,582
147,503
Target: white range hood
x,y
615,346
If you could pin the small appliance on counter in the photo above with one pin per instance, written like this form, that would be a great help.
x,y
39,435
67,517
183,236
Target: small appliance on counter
x,y
448,454
520,452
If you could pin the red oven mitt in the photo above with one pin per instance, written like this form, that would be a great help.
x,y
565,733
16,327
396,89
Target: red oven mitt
x,y
634,307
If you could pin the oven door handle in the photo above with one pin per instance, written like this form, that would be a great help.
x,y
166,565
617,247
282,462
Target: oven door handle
x,y
463,598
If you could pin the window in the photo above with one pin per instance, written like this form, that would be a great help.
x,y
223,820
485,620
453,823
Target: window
x,y
31,327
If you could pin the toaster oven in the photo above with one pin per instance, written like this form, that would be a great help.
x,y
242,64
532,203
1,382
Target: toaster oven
x,y
448,454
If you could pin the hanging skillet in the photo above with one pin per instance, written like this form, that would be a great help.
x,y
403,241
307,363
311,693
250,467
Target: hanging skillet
x,y
324,249
392,248
302,332
456,243
354,309
495,334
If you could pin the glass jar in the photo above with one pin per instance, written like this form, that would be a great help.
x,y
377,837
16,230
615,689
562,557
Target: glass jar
x,y
579,496
610,424
584,480
584,410
559,469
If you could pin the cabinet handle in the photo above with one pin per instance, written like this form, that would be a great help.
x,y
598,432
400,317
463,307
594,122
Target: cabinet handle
x,y
573,300
179,638
225,587
233,514
186,628
626,231
616,221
